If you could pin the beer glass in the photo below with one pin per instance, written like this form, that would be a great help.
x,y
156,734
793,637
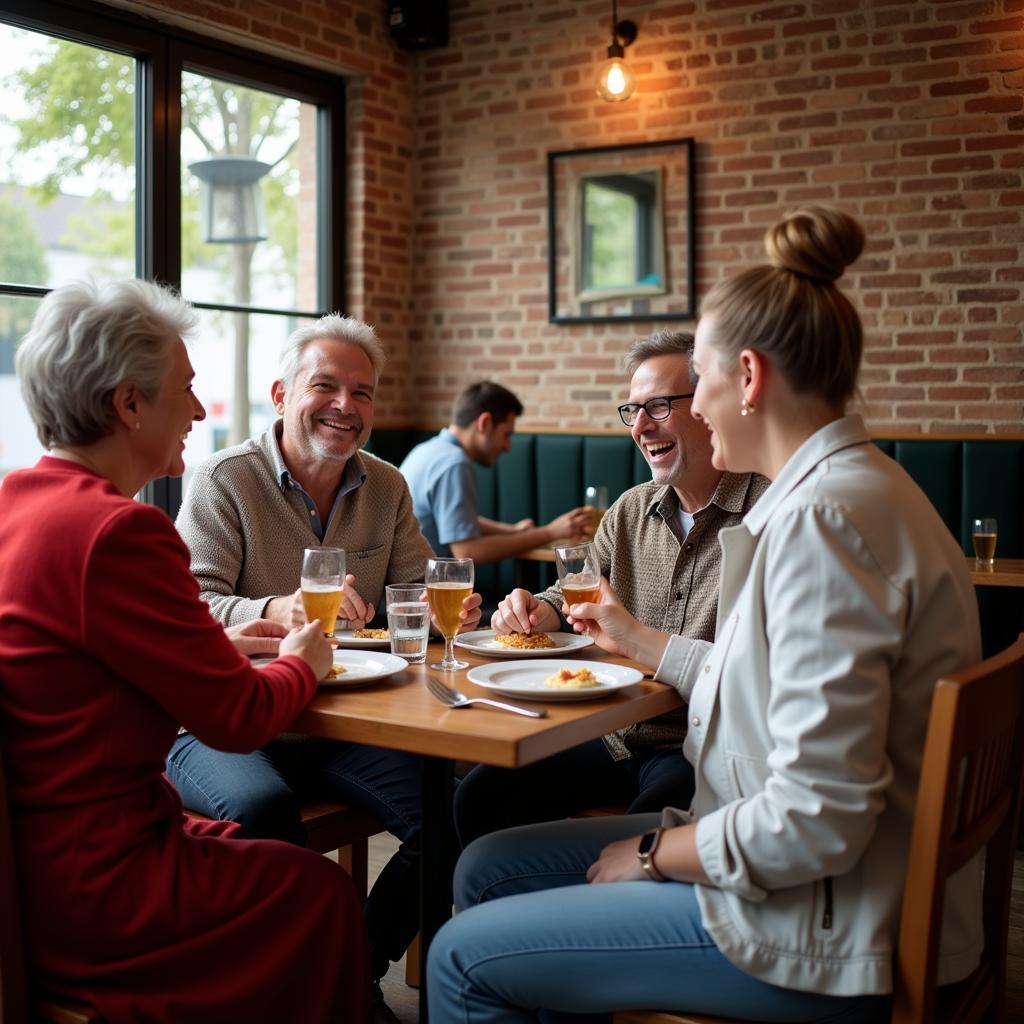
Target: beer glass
x,y
408,620
984,533
449,583
595,500
323,581
579,572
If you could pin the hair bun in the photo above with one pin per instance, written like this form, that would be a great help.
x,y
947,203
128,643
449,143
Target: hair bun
x,y
815,242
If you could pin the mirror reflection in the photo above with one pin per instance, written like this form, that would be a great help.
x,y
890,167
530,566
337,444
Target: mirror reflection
x,y
621,241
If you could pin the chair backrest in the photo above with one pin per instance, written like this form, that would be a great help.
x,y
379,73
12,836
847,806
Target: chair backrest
x,y
969,800
13,987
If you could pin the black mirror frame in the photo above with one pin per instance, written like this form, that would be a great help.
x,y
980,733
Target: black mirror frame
x,y
689,275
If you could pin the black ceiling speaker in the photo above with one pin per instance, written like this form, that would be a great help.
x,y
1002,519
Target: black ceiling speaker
x,y
418,24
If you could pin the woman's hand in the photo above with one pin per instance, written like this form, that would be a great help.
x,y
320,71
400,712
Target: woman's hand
x,y
309,643
469,617
614,630
618,863
261,636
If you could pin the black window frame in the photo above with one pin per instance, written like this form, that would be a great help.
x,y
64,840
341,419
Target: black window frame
x,y
163,52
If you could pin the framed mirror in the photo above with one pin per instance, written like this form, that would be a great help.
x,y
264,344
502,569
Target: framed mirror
x,y
620,233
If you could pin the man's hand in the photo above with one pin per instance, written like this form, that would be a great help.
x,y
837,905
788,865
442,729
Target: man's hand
x,y
618,862
288,610
261,636
574,523
469,617
521,612
309,643
353,607
524,524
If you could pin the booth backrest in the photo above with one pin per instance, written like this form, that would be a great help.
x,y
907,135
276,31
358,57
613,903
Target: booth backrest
x,y
545,474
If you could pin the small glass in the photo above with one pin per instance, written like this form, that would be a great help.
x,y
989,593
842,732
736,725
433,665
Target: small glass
x,y
595,501
579,572
449,583
408,620
984,534
323,585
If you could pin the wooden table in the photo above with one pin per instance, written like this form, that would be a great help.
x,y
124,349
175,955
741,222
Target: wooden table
x,y
1004,572
399,713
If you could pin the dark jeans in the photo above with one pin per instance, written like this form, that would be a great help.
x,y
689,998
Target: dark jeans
x,y
261,791
489,799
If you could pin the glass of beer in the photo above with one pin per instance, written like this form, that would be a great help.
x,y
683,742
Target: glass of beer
x,y
323,581
579,572
449,583
984,533
595,501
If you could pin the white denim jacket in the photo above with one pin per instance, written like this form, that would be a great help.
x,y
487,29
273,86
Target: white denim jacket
x,y
843,599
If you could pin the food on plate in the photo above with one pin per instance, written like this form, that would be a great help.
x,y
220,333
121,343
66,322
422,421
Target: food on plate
x,y
336,670
572,679
371,634
525,641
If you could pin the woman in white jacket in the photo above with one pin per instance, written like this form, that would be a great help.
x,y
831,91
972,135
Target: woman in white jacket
x,y
843,598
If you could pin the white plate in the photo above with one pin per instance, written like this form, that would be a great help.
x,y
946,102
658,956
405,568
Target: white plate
x,y
481,641
362,667
525,679
347,638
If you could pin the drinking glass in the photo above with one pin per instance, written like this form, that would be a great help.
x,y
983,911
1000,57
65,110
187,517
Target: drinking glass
x,y
323,582
449,583
408,620
984,534
595,500
579,572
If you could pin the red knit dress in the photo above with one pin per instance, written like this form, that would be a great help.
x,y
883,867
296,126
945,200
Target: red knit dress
x,y
105,648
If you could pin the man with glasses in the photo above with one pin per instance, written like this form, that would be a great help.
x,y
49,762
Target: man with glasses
x,y
658,546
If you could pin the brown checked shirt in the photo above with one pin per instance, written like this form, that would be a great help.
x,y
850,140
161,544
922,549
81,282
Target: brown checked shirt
x,y
664,581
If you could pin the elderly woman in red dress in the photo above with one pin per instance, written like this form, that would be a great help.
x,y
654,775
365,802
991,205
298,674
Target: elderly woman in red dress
x,y
105,649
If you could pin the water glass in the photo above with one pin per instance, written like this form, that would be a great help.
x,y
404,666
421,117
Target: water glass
x,y
323,581
408,620
984,534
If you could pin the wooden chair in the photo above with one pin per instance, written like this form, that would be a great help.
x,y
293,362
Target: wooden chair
x,y
968,800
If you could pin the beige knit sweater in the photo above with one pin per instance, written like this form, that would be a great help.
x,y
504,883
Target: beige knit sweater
x,y
247,534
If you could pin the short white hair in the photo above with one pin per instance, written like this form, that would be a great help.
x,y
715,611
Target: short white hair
x,y
84,341
332,327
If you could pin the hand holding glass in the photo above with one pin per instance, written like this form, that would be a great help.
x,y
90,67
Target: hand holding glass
x,y
579,572
323,581
408,620
449,583
984,534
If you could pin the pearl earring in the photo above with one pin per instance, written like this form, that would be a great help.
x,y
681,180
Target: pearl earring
x,y
746,408
138,426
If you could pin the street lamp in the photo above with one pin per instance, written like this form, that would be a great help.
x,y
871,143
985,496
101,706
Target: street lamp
x,y
231,199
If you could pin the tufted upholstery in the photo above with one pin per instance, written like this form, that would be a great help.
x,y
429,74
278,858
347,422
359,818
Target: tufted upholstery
x,y
544,475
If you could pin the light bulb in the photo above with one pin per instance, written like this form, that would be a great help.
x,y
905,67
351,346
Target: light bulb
x,y
616,80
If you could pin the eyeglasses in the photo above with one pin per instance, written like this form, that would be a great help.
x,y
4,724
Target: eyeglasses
x,y
659,408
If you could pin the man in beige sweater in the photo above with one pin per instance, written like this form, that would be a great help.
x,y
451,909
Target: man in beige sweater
x,y
248,514
658,547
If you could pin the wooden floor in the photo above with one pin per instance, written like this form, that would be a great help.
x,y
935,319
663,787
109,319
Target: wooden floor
x,y
404,1001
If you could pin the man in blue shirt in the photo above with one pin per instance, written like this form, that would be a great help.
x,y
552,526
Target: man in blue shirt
x,y
443,486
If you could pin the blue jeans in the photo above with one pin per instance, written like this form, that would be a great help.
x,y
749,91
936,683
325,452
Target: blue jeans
x,y
489,799
262,791
536,937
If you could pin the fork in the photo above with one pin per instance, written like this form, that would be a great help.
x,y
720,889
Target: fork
x,y
454,699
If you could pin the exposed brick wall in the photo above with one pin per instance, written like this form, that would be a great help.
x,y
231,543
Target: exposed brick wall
x,y
906,113
350,38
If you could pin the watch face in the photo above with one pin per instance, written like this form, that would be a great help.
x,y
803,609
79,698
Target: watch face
x,y
646,842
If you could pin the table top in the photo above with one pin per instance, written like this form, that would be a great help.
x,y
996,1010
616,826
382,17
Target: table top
x,y
399,713
1004,572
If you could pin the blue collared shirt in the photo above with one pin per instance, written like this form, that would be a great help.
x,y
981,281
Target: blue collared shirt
x,y
352,478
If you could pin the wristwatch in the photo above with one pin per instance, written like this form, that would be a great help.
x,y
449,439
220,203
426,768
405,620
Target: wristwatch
x,y
645,854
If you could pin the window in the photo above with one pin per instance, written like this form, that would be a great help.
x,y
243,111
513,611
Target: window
x,y
125,150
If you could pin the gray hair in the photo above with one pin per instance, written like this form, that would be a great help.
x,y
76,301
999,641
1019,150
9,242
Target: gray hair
x,y
660,343
84,341
332,327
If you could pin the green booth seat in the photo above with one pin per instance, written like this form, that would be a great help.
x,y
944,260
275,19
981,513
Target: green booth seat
x,y
544,475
